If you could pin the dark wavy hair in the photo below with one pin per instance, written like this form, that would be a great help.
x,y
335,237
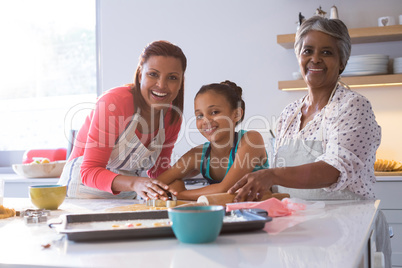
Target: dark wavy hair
x,y
232,92
160,48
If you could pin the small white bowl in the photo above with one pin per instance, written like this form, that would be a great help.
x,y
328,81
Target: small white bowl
x,y
46,170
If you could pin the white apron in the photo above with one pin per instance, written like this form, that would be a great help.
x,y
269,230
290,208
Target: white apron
x,y
295,152
129,157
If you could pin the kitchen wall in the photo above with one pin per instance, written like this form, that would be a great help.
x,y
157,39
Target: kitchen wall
x,y
236,40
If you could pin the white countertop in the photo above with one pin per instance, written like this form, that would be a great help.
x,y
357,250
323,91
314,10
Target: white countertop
x,y
335,236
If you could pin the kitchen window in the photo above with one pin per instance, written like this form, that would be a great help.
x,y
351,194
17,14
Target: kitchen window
x,y
48,69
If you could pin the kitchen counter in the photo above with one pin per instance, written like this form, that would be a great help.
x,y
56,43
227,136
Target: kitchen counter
x,y
335,236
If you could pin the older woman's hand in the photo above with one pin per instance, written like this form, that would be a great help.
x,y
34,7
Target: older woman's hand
x,y
252,186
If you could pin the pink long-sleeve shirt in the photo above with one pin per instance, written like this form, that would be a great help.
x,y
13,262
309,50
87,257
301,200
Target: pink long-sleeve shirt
x,y
96,138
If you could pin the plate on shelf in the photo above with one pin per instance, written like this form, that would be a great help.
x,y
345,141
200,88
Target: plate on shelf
x,y
398,66
398,71
363,73
366,65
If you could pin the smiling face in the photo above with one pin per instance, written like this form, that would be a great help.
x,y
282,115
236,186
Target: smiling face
x,y
215,118
160,80
319,61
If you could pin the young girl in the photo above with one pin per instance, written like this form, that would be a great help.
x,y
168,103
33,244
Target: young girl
x,y
228,155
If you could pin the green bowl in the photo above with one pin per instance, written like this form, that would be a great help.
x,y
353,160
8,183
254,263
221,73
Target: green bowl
x,y
47,196
198,224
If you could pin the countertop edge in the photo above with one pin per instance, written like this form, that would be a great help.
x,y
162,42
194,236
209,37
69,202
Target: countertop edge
x,y
389,178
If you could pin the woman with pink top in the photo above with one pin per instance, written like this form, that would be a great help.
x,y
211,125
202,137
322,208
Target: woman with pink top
x,y
133,128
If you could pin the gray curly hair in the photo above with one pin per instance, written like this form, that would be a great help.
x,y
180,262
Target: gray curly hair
x,y
333,27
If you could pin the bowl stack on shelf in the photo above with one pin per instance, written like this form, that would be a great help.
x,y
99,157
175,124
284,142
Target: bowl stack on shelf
x,y
398,65
371,64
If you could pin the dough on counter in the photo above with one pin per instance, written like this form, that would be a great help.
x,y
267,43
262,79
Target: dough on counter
x,y
6,212
121,224
143,207
135,207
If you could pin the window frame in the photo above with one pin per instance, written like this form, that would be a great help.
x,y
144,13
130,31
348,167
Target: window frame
x,y
10,157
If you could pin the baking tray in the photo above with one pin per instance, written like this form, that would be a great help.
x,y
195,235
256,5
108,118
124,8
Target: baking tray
x,y
63,225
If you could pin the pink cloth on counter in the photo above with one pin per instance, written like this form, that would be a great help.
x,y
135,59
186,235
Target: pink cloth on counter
x,y
273,206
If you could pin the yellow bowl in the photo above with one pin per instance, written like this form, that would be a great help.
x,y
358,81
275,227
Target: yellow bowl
x,y
47,196
46,170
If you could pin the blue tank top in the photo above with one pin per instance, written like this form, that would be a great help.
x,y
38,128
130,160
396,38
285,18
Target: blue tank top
x,y
206,155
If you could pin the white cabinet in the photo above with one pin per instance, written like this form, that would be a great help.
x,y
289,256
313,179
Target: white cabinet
x,y
17,186
388,190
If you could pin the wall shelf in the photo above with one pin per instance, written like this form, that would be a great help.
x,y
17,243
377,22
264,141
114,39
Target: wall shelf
x,y
357,35
353,82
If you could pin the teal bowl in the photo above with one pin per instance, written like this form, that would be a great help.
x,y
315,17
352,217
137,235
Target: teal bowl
x,y
198,224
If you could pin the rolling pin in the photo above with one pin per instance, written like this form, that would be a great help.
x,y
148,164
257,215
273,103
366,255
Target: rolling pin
x,y
224,198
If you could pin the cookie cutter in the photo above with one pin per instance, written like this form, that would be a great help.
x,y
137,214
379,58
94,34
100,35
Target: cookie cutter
x,y
171,202
34,215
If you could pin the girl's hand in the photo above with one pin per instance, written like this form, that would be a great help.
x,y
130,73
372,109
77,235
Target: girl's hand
x,y
252,186
150,189
176,187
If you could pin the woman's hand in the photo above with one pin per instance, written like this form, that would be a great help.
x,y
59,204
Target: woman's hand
x,y
252,186
174,189
151,189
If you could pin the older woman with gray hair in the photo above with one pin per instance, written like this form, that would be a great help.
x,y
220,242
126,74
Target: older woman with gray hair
x,y
327,140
